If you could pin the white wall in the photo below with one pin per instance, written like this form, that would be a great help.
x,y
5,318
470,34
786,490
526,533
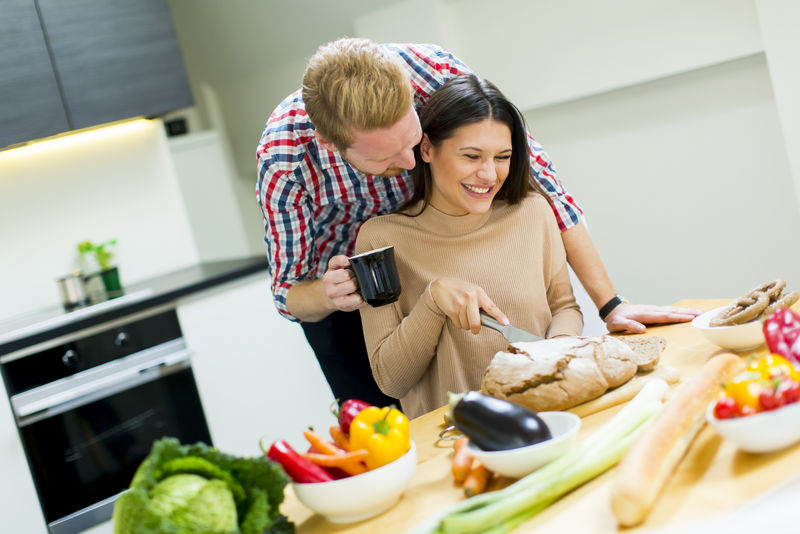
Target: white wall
x,y
116,182
685,181
779,20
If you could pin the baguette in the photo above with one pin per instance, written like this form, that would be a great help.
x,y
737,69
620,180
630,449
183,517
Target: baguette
x,y
653,457
626,391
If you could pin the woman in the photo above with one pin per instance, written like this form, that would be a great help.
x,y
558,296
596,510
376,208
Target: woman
x,y
475,236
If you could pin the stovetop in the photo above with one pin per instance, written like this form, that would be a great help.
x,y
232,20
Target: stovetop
x,y
29,328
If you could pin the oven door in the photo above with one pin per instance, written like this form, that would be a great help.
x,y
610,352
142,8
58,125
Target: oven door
x,y
86,436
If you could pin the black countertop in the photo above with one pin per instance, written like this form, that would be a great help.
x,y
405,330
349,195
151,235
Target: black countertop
x,y
36,327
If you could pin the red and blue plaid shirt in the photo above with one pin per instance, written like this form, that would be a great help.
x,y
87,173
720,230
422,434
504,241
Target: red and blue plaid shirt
x,y
314,202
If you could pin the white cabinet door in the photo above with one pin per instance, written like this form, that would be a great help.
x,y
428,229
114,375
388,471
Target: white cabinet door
x,y
19,505
255,371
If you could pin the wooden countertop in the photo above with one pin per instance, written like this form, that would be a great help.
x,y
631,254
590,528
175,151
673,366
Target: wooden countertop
x,y
713,477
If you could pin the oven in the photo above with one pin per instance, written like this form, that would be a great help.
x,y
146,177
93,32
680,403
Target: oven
x,y
89,405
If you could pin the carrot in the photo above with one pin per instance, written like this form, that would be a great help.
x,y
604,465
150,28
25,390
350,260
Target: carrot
x,y
476,480
340,438
321,444
349,462
462,460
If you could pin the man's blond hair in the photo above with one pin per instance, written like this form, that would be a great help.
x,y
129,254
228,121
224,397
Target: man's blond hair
x,y
354,83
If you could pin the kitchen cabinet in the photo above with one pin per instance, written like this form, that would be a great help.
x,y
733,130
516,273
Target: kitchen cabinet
x,y
30,101
115,59
255,371
70,64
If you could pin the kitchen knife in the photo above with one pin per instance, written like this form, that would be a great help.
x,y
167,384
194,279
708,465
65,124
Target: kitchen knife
x,y
511,333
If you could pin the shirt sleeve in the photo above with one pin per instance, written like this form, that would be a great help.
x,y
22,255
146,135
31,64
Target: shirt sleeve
x,y
566,317
565,208
287,234
400,348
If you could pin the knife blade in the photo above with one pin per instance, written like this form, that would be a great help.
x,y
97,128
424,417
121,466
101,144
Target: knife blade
x,y
511,333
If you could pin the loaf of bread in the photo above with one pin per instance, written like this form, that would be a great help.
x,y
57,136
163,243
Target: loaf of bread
x,y
653,457
556,374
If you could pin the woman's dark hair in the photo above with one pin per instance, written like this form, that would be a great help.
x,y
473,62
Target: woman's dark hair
x,y
466,100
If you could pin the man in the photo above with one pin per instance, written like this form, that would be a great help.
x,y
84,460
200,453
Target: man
x,y
338,152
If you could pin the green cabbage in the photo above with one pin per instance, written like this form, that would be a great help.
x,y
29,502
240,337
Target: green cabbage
x,y
195,489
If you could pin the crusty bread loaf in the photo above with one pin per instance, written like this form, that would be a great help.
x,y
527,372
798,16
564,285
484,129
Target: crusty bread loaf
x,y
558,373
647,349
650,461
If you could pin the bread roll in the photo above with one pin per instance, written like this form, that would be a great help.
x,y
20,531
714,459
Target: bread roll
x,y
649,462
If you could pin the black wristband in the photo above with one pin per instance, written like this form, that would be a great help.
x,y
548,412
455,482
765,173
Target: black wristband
x,y
609,306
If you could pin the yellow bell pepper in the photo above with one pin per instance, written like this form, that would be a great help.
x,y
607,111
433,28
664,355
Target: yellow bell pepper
x,y
773,365
745,388
383,432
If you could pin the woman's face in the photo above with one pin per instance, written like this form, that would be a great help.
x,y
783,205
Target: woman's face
x,y
468,168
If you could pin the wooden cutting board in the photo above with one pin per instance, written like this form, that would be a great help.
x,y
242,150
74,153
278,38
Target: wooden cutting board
x,y
713,478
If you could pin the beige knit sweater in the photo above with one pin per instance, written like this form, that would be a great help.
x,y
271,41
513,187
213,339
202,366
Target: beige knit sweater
x,y
514,253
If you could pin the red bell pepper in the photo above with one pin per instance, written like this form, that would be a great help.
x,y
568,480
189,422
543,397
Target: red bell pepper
x,y
782,333
348,411
298,468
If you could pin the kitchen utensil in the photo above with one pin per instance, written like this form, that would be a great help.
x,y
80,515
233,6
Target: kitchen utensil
x,y
358,497
511,333
761,432
737,337
519,462
73,291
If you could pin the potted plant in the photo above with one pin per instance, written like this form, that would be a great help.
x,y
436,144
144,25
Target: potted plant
x,y
100,259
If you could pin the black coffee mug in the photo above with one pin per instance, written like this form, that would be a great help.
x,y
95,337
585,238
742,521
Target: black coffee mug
x,y
376,272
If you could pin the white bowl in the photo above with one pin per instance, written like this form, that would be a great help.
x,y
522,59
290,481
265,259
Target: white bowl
x,y
761,432
524,460
737,337
361,496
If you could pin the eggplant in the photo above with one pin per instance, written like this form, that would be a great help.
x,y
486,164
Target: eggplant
x,y
495,424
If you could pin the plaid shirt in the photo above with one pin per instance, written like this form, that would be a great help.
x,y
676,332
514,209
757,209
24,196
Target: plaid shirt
x,y
314,202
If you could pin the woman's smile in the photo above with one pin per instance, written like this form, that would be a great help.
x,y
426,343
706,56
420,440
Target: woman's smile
x,y
469,167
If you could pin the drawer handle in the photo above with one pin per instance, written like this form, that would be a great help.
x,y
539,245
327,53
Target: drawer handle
x,y
122,339
70,359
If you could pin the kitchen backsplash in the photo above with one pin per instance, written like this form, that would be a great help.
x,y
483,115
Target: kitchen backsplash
x,y
115,182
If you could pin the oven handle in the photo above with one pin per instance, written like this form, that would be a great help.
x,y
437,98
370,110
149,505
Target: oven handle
x,y
101,387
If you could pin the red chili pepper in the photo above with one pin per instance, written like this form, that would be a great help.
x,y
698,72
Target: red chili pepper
x,y
297,467
348,411
782,333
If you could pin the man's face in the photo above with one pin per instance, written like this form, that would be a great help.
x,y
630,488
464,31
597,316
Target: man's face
x,y
388,151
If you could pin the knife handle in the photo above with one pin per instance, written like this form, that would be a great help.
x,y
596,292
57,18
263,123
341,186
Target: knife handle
x,y
491,322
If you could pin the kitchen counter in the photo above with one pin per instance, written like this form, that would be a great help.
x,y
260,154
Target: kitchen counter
x,y
36,327
712,481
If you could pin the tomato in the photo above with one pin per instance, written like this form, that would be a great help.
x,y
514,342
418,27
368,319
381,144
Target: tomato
x,y
788,391
770,399
726,408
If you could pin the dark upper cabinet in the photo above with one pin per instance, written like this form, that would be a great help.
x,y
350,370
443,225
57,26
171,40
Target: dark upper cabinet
x,y
30,102
115,58
86,62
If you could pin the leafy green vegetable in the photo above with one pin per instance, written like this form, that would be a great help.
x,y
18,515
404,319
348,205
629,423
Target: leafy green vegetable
x,y
195,489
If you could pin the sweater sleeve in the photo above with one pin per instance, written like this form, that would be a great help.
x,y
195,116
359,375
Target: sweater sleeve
x,y
400,348
567,318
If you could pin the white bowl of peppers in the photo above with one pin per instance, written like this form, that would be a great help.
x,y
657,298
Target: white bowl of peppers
x,y
361,472
759,408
